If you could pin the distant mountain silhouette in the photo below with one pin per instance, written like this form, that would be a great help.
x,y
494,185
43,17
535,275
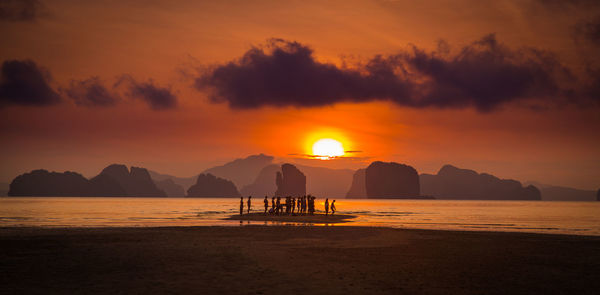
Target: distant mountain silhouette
x,y
290,181
43,183
136,182
249,175
453,183
326,182
210,186
184,182
358,188
241,172
561,193
106,186
391,180
114,181
264,184
172,189
4,189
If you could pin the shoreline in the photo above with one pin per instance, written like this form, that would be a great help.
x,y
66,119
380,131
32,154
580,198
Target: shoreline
x,y
275,224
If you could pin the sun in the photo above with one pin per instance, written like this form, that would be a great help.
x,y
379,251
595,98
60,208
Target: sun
x,y
327,148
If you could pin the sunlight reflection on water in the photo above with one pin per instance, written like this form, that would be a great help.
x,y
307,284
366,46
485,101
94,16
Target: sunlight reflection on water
x,y
580,218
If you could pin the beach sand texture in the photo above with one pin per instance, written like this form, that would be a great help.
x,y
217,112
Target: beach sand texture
x,y
293,260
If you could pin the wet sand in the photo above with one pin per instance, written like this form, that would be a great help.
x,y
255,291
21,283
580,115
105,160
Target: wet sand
x,y
317,218
293,260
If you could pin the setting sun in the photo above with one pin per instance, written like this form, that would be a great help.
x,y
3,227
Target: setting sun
x,y
327,148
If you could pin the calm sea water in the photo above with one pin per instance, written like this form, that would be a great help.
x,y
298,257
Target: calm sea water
x,y
579,218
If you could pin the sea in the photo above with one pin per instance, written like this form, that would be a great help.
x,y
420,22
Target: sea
x,y
571,218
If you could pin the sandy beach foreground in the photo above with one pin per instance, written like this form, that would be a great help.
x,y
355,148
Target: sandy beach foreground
x,y
293,260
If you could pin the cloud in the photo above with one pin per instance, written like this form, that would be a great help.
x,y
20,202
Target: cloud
x,y
19,10
588,31
23,83
484,74
158,98
91,92
286,74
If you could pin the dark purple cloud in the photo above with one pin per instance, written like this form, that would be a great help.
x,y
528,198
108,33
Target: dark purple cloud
x,y
158,98
19,10
22,82
286,73
91,92
484,75
588,31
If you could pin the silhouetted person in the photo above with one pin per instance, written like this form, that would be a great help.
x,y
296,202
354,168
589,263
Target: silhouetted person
x,y
266,201
304,205
326,206
241,205
293,205
273,204
278,203
249,203
333,207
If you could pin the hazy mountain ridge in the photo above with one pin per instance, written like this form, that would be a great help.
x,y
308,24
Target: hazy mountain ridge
x,y
452,183
561,193
241,172
320,181
184,182
172,189
4,187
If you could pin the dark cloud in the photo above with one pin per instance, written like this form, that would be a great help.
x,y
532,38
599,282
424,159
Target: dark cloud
x,y
19,10
286,73
24,83
158,98
90,92
588,31
484,75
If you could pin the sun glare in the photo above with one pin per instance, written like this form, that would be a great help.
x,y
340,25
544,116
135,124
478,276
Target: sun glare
x,y
327,148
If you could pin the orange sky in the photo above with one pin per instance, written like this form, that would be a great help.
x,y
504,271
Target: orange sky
x,y
159,40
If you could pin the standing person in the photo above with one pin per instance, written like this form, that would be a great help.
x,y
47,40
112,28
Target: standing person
x,y
333,207
273,205
326,206
249,203
293,205
303,205
266,201
241,205
278,203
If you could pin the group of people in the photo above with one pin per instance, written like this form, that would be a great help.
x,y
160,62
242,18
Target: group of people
x,y
292,206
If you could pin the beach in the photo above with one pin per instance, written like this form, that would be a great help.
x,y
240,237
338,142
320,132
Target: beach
x,y
294,259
